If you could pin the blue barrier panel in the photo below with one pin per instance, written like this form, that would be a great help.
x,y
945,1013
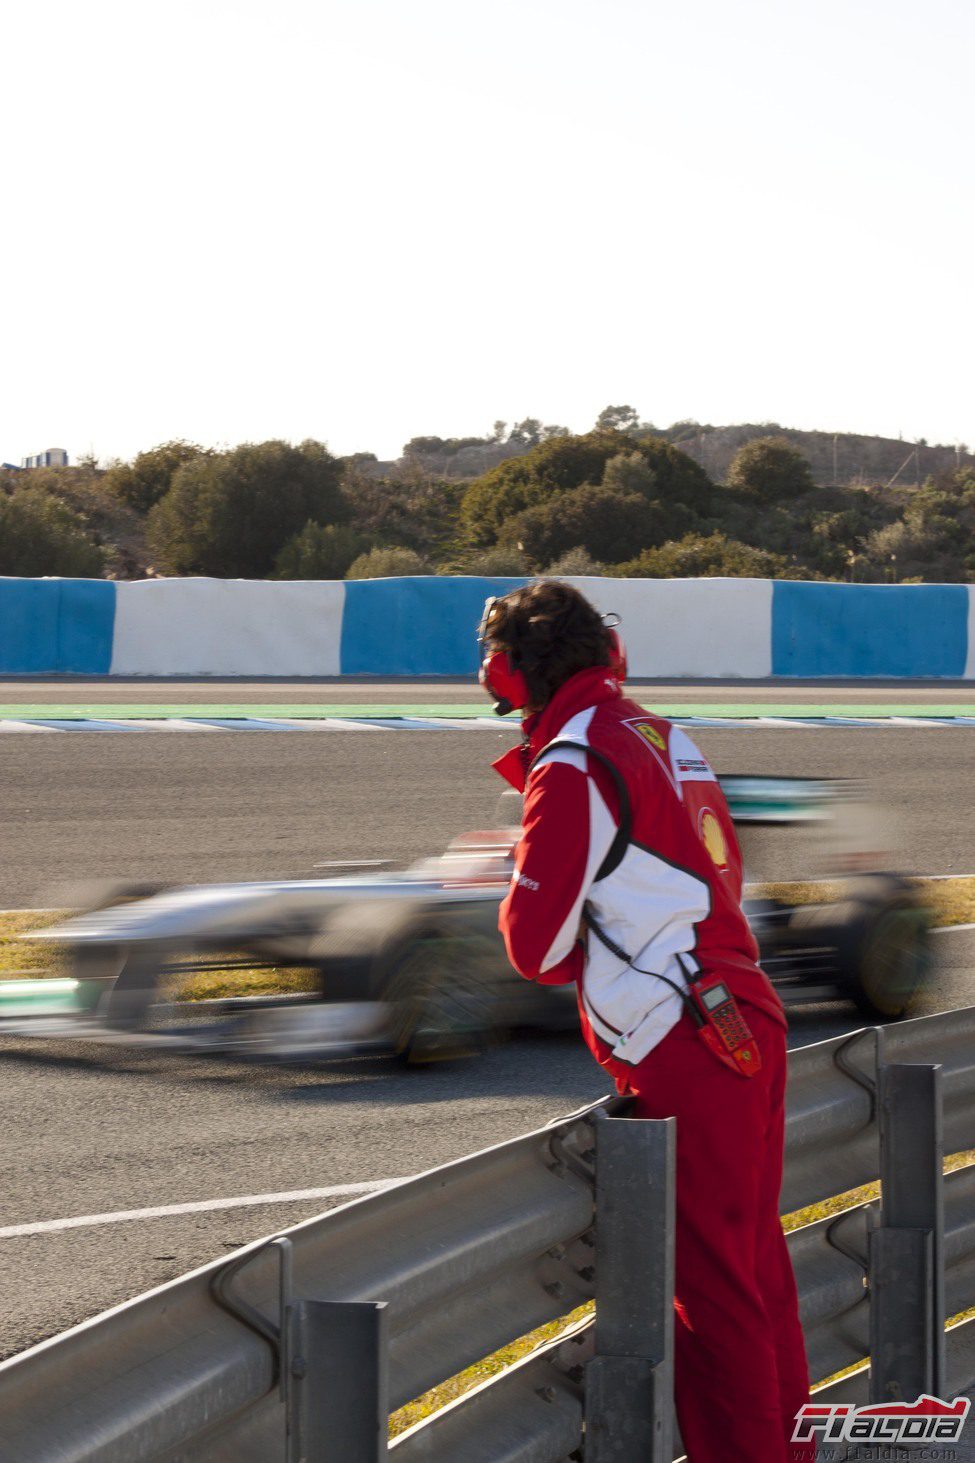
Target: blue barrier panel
x,y
49,626
869,629
423,626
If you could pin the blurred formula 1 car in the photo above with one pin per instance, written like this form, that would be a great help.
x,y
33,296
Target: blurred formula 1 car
x,y
411,962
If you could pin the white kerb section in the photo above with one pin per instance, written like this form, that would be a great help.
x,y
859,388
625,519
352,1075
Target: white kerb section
x,y
228,627
690,627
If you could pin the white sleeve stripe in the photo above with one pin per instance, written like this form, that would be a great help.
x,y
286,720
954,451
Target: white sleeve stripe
x,y
601,832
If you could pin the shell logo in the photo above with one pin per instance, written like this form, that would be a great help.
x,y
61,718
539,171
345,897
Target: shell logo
x,y
712,836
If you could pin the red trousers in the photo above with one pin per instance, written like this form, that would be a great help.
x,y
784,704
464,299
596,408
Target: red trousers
x,y
740,1372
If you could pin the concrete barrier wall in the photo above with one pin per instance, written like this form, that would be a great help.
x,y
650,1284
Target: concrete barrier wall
x,y
56,626
690,627
870,629
425,626
228,627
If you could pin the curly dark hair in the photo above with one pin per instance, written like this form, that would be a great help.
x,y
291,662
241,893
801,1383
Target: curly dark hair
x,y
550,631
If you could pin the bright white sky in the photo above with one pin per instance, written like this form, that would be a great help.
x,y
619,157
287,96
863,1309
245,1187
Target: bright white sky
x,y
363,220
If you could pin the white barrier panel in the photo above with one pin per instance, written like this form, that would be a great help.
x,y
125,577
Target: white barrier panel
x,y
970,653
228,627
690,627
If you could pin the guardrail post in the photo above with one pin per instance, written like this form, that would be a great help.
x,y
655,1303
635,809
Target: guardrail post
x,y
907,1295
629,1381
337,1386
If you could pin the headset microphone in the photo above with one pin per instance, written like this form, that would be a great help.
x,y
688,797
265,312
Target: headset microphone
x,y
502,680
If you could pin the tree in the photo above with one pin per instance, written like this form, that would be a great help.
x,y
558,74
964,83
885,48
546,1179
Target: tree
x,y
617,419
607,524
771,469
527,433
230,514
696,556
631,472
141,483
387,564
412,508
320,551
39,535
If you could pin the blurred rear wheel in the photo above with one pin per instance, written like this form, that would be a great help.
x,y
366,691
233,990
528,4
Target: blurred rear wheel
x,y
893,956
880,935
439,1009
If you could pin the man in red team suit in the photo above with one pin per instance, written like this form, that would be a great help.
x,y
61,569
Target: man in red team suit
x,y
628,883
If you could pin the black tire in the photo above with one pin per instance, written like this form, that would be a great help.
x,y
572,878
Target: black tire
x,y
439,1008
881,939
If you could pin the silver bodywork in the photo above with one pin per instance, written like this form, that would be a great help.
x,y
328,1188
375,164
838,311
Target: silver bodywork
x,y
398,953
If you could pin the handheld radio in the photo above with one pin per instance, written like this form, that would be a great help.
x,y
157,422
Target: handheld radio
x,y
721,1026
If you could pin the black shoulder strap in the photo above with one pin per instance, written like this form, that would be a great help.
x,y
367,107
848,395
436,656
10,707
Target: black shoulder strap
x,y
624,832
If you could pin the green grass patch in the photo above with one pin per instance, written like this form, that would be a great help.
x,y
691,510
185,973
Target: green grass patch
x,y
112,711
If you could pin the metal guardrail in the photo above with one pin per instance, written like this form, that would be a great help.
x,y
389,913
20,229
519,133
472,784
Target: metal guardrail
x,y
831,1139
429,1276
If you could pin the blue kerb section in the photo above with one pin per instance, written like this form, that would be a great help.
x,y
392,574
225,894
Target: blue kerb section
x,y
424,626
50,626
869,629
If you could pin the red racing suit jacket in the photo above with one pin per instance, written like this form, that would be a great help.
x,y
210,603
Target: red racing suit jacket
x,y
669,895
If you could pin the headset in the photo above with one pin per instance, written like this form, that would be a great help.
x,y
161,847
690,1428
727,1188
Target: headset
x,y
506,684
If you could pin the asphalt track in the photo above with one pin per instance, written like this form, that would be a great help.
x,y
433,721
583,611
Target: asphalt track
x,y
224,805
98,1130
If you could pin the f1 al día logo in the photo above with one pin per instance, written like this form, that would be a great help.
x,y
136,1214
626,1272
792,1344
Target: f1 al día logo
x,y
928,1420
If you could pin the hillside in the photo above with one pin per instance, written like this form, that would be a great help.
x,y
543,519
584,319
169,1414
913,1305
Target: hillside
x,y
842,459
753,500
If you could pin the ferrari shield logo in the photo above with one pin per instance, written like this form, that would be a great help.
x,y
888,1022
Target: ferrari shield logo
x,y
650,734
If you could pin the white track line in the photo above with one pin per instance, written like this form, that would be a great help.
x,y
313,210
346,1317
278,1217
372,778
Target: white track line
x,y
164,1211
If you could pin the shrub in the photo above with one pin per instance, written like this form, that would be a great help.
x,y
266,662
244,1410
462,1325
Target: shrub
x,y
575,562
230,514
770,468
320,551
608,524
387,564
39,535
563,464
714,556
502,561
